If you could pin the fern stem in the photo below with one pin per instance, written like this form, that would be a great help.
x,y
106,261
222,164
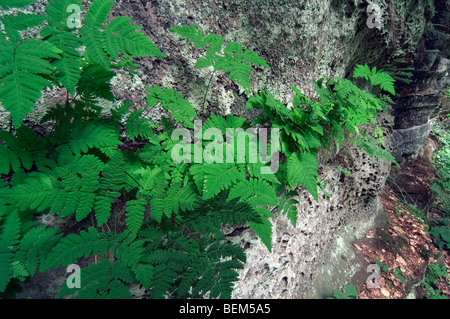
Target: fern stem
x,y
206,92
134,179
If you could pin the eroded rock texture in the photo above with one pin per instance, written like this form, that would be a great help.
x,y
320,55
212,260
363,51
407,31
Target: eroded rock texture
x,y
304,41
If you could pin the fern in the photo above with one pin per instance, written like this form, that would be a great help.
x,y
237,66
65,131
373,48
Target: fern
x,y
287,206
135,214
302,171
94,82
211,179
69,66
24,66
105,43
119,168
9,238
182,110
370,146
8,4
101,136
140,127
384,80
15,23
233,59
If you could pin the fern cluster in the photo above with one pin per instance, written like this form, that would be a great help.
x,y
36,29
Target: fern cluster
x,y
145,218
232,59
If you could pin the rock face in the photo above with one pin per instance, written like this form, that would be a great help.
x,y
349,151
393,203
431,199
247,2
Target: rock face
x,y
420,100
413,123
303,41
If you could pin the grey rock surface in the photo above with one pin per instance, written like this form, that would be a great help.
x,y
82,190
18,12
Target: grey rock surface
x,y
407,143
302,41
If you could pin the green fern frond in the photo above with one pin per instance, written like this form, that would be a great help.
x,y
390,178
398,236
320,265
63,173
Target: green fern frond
x,y
25,148
135,214
9,160
72,247
178,199
105,43
92,39
381,78
234,60
189,32
94,82
370,146
121,37
9,238
211,179
98,12
264,231
35,246
39,194
68,68
100,281
138,126
21,75
302,171
14,23
8,4
182,110
150,180
101,136
229,122
71,189
253,189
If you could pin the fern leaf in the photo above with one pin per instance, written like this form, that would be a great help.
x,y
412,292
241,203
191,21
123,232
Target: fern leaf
x,y
93,136
212,41
182,110
21,75
178,199
190,32
99,282
9,237
9,160
381,78
135,214
235,61
211,179
260,190
264,232
251,57
95,82
303,171
39,194
7,4
98,12
137,126
121,37
104,44
92,39
35,246
68,68
149,180
103,205
15,23
72,247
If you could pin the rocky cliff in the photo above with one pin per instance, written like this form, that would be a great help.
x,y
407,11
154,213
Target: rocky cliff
x,y
303,41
